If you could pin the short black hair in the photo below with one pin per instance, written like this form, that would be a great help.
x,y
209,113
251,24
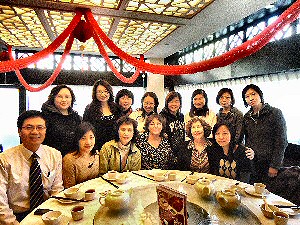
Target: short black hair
x,y
81,130
124,92
221,92
29,114
170,96
255,88
126,120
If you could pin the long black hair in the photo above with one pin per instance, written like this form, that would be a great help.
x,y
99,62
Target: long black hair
x,y
156,102
95,106
199,112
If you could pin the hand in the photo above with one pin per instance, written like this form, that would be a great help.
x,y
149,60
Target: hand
x,y
249,153
273,172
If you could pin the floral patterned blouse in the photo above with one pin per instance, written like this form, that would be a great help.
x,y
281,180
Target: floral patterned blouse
x,y
161,157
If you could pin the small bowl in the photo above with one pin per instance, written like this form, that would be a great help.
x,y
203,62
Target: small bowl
x,y
269,214
71,192
121,179
52,218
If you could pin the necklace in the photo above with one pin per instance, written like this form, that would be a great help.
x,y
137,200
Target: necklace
x,y
92,163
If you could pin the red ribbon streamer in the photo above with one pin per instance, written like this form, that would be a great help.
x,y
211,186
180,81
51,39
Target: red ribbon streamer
x,y
25,62
55,73
110,63
246,49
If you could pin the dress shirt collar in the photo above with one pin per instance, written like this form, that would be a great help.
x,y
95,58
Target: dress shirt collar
x,y
27,153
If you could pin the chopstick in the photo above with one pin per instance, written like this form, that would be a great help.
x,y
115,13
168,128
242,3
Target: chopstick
x,y
71,199
142,176
111,183
288,206
186,176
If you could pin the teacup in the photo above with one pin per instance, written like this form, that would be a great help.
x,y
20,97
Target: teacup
x,y
121,179
89,194
172,176
112,174
71,192
52,218
280,218
259,188
191,179
77,212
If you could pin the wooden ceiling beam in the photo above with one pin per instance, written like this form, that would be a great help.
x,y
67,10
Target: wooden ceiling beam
x,y
116,13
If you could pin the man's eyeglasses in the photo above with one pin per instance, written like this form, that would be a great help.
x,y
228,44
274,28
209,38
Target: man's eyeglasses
x,y
31,128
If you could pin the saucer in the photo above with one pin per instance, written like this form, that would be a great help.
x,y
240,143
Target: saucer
x,y
105,176
251,191
67,201
153,172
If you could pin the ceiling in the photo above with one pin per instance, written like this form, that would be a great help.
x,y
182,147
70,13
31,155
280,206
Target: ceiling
x,y
155,28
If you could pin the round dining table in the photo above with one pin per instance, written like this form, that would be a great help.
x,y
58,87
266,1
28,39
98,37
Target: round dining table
x,y
143,187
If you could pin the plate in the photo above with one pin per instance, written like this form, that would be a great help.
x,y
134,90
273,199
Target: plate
x,y
65,201
105,176
251,191
153,172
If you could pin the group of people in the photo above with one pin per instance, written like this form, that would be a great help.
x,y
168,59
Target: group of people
x,y
71,149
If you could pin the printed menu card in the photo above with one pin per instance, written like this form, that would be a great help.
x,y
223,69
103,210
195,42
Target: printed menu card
x,y
172,206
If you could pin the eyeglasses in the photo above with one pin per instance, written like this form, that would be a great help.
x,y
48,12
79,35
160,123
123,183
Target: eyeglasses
x,y
102,92
148,103
31,128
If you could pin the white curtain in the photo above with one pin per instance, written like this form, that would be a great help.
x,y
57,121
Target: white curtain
x,y
280,90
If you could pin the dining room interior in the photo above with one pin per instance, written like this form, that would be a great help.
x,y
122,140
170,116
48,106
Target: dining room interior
x,y
150,45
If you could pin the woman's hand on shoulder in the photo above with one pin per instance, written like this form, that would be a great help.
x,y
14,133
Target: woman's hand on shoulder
x,y
249,153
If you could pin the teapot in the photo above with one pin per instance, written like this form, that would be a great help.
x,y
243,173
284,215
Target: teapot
x,y
116,200
228,199
205,188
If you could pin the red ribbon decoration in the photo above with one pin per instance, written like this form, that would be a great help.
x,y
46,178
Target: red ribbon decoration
x,y
55,73
25,62
244,50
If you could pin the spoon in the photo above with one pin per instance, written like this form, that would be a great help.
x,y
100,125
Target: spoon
x,y
267,208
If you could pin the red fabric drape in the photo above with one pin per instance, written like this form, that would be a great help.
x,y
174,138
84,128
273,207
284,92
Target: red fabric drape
x,y
25,62
55,73
227,58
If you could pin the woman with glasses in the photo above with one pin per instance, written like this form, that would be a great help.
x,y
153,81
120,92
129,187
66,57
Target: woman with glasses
x,y
154,146
102,112
82,163
62,120
149,106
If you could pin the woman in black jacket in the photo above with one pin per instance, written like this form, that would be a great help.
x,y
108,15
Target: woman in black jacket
x,y
102,112
62,120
